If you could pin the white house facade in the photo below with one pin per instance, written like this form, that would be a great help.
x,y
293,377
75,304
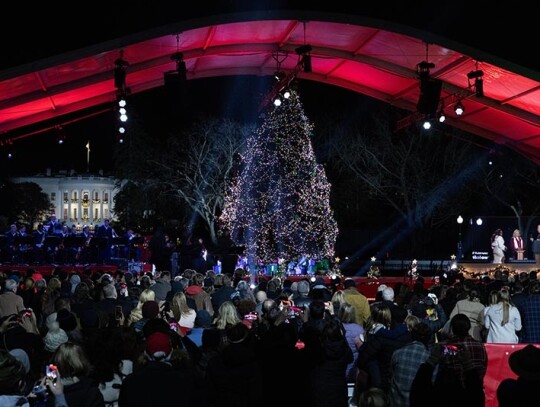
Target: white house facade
x,y
77,199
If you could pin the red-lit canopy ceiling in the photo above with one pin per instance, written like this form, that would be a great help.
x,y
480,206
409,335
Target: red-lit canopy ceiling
x,y
364,57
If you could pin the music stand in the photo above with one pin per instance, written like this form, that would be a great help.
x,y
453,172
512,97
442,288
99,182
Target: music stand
x,y
119,241
50,244
137,240
52,241
99,244
23,240
74,241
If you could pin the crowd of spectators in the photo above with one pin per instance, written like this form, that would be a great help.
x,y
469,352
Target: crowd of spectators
x,y
216,340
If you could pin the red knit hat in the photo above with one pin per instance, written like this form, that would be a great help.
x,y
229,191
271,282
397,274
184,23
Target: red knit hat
x,y
158,345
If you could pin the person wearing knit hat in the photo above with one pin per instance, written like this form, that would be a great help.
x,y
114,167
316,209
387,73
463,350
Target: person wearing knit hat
x,y
75,279
21,356
55,335
66,319
12,373
158,346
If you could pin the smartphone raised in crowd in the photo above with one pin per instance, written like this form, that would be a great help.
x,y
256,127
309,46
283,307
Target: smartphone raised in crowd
x,y
51,374
118,312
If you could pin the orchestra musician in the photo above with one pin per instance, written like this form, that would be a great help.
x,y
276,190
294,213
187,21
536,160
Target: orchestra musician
x,y
39,238
86,253
132,251
23,247
66,253
11,251
105,231
53,226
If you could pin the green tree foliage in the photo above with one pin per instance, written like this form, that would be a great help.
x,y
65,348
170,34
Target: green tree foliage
x,y
23,203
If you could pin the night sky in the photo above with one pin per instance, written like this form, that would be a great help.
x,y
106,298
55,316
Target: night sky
x,y
236,97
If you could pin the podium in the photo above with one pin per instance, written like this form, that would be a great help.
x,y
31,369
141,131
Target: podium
x,y
520,253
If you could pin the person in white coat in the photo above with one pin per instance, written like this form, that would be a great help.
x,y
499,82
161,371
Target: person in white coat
x,y
502,320
498,247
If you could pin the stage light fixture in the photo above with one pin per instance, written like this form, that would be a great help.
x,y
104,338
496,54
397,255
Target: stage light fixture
x,y
430,89
279,75
426,125
459,108
305,61
479,87
60,135
477,75
120,74
277,101
442,117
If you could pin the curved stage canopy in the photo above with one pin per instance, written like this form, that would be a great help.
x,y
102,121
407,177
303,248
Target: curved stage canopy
x,y
373,57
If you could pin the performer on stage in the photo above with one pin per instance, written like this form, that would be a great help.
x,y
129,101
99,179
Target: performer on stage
x,y
132,251
536,245
53,226
39,249
105,231
517,245
498,246
86,253
11,249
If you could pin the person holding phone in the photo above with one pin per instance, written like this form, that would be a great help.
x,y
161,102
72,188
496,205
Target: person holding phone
x,y
13,379
73,364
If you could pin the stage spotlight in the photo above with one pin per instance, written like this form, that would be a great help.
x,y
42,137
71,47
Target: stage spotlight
x,y
430,94
286,94
442,117
426,125
459,109
60,135
306,63
279,75
277,101
479,87
478,81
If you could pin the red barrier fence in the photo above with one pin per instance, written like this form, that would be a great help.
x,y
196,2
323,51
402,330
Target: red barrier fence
x,y
498,368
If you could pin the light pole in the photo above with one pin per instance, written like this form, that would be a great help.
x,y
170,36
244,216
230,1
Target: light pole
x,y
459,245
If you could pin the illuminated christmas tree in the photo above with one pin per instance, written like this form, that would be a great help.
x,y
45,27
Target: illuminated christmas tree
x,y
279,205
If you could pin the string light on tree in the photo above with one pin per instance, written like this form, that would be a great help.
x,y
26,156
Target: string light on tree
x,y
279,205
